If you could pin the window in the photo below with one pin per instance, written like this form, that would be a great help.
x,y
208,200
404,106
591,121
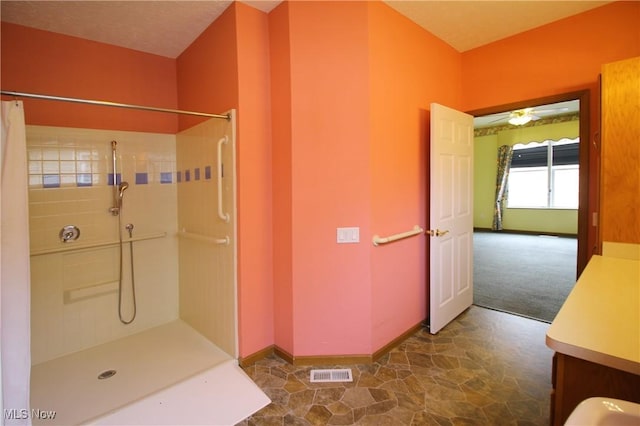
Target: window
x,y
545,175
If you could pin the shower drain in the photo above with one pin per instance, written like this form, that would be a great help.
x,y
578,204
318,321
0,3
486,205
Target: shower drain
x,y
106,374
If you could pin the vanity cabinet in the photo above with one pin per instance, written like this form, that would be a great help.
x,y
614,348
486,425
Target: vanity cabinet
x,y
575,379
596,334
596,337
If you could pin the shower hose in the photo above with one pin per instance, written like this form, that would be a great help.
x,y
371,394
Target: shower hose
x,y
129,228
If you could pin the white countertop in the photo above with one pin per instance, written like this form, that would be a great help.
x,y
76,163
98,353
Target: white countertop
x,y
600,320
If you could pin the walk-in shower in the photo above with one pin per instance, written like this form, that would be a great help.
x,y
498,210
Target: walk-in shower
x,y
185,275
116,210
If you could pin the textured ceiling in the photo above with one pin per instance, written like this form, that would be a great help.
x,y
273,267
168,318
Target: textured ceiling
x,y
163,28
166,28
465,25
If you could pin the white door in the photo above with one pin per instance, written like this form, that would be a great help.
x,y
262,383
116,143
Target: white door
x,y
451,218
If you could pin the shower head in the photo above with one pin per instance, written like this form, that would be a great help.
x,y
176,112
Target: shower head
x,y
121,188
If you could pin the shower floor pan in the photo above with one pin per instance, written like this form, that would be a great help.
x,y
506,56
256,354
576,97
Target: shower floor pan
x,y
166,375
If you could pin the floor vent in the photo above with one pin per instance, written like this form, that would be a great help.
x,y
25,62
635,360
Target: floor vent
x,y
320,376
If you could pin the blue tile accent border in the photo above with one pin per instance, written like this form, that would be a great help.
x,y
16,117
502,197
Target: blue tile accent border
x,y
196,173
51,181
187,175
142,178
207,172
179,176
165,177
110,179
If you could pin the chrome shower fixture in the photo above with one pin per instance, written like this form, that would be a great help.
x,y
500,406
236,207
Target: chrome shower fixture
x,y
118,189
118,195
129,228
121,189
115,210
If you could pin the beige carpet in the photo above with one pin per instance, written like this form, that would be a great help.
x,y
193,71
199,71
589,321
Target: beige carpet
x,y
528,275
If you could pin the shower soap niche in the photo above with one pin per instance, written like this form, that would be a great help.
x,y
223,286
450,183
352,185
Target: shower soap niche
x,y
88,292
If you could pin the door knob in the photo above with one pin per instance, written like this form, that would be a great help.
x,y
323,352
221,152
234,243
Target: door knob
x,y
437,232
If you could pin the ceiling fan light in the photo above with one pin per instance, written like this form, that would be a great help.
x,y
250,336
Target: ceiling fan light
x,y
519,119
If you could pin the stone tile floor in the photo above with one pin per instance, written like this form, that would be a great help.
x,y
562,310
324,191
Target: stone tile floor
x,y
485,368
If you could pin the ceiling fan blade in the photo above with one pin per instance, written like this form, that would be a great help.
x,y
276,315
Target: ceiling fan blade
x,y
549,111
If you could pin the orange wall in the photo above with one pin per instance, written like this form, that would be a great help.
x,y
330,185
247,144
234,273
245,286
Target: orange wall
x,y
351,83
281,184
327,172
560,57
228,67
254,179
207,71
563,56
43,62
409,69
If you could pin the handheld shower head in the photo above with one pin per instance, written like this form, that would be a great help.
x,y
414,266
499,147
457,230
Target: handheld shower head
x,y
121,188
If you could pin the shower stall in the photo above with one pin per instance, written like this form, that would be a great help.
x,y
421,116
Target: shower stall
x,y
134,295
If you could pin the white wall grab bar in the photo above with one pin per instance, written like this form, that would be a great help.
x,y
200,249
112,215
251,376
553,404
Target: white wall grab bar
x,y
221,214
226,240
377,240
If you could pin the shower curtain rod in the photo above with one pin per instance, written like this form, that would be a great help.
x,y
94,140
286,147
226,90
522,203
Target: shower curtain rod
x,y
111,104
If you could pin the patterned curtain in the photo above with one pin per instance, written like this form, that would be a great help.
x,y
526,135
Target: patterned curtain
x,y
505,153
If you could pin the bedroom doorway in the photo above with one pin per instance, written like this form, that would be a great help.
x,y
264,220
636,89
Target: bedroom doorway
x,y
511,272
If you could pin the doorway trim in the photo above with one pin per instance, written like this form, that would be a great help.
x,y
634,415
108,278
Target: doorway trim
x,y
583,159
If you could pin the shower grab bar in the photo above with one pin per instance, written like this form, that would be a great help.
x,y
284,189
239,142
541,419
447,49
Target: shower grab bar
x,y
221,214
377,240
75,247
226,240
115,210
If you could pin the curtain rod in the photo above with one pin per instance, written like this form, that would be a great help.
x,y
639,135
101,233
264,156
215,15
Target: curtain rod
x,y
111,104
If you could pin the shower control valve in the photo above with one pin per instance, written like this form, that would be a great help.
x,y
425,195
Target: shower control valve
x,y
69,233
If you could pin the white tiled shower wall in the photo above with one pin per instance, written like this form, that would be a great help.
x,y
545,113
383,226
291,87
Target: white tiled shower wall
x,y
208,296
70,171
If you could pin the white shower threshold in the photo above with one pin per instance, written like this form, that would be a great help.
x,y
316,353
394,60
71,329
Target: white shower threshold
x,y
167,375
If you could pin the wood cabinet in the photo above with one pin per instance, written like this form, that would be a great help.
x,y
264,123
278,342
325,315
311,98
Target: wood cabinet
x,y
575,380
596,337
596,334
620,170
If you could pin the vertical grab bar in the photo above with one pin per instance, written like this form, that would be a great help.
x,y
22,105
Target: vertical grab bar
x,y
115,210
221,214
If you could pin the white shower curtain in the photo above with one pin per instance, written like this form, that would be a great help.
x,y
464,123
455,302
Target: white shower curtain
x,y
15,355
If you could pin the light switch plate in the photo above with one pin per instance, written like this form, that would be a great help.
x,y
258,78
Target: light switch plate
x,y
348,235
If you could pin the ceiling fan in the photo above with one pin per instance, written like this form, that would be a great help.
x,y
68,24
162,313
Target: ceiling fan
x,y
520,117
